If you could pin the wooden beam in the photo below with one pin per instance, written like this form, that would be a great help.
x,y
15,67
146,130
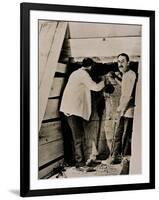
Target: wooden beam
x,y
46,36
50,132
52,109
44,173
61,68
92,30
56,87
108,47
50,68
50,151
136,158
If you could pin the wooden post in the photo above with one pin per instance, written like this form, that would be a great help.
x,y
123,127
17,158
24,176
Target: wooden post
x,y
135,162
50,68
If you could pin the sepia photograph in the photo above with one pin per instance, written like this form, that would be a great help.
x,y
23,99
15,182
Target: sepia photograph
x,y
87,99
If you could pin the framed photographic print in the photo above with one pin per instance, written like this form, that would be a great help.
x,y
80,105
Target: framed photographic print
x,y
87,99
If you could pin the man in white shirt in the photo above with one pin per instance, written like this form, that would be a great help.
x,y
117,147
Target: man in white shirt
x,y
76,105
125,111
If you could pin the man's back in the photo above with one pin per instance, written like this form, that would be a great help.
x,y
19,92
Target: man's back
x,y
76,97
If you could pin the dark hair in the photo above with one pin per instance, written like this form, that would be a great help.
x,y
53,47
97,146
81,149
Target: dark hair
x,y
87,62
125,55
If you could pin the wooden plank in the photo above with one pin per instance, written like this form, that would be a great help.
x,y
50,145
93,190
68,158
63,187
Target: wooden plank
x,y
105,59
50,68
109,47
52,109
50,132
46,36
48,169
94,30
42,23
136,158
61,68
56,87
50,151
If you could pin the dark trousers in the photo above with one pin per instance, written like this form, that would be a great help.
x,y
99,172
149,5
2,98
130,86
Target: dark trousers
x,y
68,143
123,135
77,127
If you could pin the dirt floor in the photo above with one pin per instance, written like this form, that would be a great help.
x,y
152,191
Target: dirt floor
x,y
97,169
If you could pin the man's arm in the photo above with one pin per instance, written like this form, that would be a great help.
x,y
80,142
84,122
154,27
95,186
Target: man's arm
x,y
114,76
90,84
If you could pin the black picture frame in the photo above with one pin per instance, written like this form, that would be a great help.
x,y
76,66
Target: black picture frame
x,y
25,9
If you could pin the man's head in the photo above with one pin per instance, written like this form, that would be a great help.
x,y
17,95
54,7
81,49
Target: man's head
x,y
123,62
87,63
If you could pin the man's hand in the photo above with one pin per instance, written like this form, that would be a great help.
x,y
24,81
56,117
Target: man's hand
x,y
111,74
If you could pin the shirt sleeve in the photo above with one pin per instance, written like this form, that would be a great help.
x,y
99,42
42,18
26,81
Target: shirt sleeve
x,y
90,84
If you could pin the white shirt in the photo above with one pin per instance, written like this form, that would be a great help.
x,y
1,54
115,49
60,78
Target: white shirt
x,y
127,85
76,98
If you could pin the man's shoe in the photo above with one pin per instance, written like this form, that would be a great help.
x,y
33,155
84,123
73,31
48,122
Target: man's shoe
x,y
125,166
92,162
82,169
116,160
80,164
105,162
90,169
89,162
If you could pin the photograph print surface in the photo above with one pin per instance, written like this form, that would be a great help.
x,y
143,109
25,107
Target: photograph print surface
x,y
89,94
